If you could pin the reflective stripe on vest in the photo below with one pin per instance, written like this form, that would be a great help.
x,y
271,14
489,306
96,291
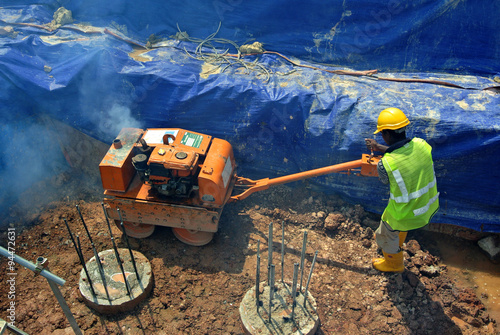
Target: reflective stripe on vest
x,y
423,210
405,197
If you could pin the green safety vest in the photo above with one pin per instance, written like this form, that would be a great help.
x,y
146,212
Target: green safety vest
x,y
414,196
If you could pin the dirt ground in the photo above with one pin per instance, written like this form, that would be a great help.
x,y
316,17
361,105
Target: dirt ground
x,y
198,290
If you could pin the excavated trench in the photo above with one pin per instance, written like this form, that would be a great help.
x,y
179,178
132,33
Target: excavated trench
x,y
448,286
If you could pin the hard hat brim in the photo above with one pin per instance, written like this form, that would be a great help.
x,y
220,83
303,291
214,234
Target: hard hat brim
x,y
396,126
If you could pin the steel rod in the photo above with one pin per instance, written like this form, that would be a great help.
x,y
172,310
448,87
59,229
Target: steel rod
x,y
282,250
302,257
65,308
264,184
310,275
84,225
30,266
128,245
96,256
101,272
294,287
117,254
315,173
269,252
271,291
80,256
13,329
257,277
258,247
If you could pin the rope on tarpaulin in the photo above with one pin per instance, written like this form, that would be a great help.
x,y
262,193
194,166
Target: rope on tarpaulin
x,y
236,59
367,73
371,74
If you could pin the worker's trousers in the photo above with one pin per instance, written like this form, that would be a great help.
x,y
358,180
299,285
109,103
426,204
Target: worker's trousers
x,y
386,238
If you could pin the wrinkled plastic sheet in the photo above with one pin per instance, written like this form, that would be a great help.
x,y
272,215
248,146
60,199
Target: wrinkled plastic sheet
x,y
292,119
420,36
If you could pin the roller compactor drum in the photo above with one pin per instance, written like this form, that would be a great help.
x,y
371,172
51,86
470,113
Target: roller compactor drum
x,y
182,179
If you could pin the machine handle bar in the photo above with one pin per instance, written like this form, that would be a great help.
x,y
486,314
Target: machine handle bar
x,y
367,163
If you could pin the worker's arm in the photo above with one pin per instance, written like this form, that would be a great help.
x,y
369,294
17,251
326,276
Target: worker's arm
x,y
371,144
382,173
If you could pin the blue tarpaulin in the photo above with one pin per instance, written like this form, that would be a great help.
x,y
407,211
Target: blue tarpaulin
x,y
283,113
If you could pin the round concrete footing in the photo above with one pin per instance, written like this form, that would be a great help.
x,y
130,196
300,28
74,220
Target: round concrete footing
x,y
255,321
119,298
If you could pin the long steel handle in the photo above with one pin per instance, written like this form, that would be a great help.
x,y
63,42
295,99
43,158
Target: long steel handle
x,y
263,184
316,172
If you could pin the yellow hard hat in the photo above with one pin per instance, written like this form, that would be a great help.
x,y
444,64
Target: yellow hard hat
x,y
391,118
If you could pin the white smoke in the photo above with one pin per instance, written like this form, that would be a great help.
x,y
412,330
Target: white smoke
x,y
116,118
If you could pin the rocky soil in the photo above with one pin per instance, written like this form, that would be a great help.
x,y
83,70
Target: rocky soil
x,y
198,290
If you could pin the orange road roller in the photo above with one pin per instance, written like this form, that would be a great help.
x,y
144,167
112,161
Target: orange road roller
x,y
182,179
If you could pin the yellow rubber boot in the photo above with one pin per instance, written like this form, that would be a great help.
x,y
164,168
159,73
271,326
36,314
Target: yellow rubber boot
x,y
402,237
377,261
390,262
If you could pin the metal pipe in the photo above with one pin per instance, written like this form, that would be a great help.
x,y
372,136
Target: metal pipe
x,y
316,172
294,287
271,291
309,278
52,279
264,184
302,257
80,256
269,252
282,249
96,256
117,254
129,248
65,307
30,266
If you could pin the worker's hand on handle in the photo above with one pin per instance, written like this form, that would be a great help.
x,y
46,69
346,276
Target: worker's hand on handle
x,y
372,145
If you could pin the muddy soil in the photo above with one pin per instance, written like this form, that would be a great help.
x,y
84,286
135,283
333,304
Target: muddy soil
x,y
198,290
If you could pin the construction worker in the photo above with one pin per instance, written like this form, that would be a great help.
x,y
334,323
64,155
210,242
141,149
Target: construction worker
x,y
407,166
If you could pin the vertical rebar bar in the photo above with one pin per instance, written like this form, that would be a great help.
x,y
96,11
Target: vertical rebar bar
x,y
271,290
302,257
80,256
294,287
310,275
282,250
117,254
128,245
96,256
269,252
84,225
99,269
257,277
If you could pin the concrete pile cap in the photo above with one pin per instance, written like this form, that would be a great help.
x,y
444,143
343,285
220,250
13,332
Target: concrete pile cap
x,y
120,300
256,321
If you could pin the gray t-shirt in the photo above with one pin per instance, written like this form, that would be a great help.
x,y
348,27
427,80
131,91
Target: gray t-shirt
x,y
382,174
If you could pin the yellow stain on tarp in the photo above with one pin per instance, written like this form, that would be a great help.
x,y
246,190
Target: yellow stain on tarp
x,y
434,117
208,69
